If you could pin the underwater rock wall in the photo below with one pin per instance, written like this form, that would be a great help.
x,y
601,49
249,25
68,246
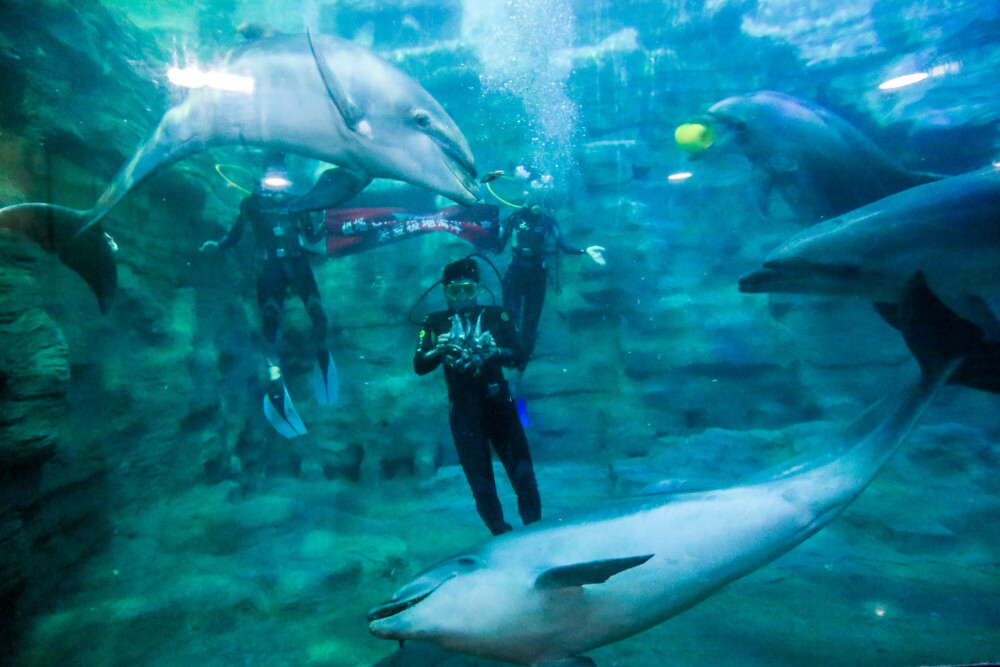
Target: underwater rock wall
x,y
34,377
134,393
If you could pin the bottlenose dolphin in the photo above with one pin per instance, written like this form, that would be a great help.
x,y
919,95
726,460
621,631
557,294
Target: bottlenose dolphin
x,y
948,230
318,96
565,585
818,162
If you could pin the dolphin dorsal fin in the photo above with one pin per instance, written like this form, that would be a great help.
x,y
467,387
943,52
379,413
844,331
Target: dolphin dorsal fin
x,y
591,572
348,109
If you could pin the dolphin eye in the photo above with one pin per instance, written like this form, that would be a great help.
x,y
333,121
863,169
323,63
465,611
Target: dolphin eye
x,y
422,119
466,561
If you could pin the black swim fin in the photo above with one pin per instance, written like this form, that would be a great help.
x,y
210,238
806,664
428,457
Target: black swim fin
x,y
325,380
278,407
522,412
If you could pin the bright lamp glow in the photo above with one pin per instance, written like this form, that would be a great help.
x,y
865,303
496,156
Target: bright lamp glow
x,y
192,77
901,81
276,181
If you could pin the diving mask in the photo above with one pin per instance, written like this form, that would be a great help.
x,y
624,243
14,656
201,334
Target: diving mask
x,y
461,290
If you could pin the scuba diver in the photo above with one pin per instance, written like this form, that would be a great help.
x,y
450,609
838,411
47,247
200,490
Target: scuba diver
x,y
535,236
284,263
474,343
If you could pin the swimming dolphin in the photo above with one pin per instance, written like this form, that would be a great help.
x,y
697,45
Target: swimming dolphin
x,y
818,162
565,585
948,230
318,96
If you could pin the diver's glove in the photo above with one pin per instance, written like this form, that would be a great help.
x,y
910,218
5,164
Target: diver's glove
x,y
596,253
444,350
467,364
441,346
213,245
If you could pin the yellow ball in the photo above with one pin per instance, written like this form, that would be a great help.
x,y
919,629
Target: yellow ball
x,y
694,137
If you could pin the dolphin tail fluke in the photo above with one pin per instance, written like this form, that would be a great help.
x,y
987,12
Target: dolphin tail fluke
x,y
69,233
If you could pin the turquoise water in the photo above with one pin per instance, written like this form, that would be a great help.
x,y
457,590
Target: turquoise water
x,y
150,515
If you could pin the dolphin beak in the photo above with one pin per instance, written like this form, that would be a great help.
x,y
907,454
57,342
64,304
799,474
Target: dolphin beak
x,y
458,158
464,170
407,597
394,607
798,275
760,281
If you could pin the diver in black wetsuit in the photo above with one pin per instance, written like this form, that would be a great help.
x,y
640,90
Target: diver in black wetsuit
x,y
474,343
536,237
284,264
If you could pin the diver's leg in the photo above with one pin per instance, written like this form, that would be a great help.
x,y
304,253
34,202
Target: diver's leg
x,y
324,379
304,284
278,408
534,299
509,290
513,292
271,286
505,431
474,454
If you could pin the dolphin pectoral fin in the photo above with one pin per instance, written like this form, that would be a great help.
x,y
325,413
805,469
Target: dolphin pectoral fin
x,y
981,311
934,334
889,312
349,111
65,232
591,572
333,187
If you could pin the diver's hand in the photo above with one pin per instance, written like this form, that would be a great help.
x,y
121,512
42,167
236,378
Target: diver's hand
x,y
442,345
443,348
596,254
462,363
213,245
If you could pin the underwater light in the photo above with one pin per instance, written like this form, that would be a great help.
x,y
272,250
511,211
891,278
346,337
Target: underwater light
x,y
680,176
276,181
940,69
192,77
905,80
